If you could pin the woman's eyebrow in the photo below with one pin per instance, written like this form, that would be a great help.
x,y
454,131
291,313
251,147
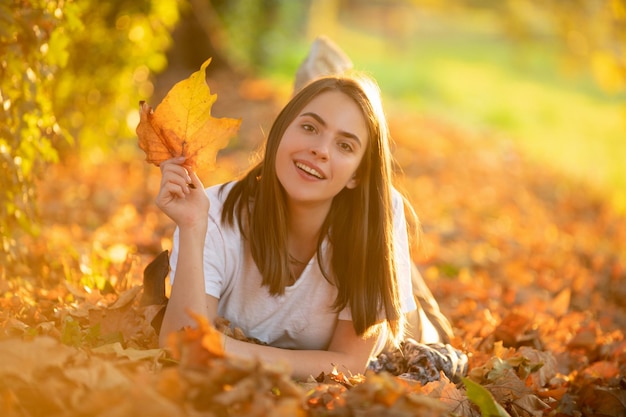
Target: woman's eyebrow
x,y
323,123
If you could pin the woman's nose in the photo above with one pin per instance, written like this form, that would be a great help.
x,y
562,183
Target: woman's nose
x,y
320,150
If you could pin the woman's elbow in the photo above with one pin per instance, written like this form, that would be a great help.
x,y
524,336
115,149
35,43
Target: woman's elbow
x,y
351,365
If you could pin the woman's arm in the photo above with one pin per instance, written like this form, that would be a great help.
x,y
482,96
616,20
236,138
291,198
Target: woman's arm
x,y
188,288
347,351
188,207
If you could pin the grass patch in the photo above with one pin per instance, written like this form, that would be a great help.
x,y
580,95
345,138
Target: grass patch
x,y
521,92
558,120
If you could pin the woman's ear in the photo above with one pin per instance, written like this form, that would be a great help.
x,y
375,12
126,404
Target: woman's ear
x,y
353,182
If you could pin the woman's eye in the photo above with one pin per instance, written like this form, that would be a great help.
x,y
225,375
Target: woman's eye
x,y
346,147
308,127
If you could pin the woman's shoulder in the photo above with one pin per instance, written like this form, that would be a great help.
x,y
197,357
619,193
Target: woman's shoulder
x,y
219,192
397,199
401,204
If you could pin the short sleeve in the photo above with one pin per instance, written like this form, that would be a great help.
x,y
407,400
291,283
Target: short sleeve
x,y
402,254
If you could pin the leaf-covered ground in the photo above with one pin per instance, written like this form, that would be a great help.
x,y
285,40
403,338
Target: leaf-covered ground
x,y
529,267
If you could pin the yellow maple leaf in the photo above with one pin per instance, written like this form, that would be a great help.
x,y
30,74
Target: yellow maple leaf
x,y
182,125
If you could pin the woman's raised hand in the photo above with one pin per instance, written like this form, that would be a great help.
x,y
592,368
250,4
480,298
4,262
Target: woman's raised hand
x,y
181,196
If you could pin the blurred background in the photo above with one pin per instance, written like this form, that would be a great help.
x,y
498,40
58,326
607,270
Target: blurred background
x,y
548,76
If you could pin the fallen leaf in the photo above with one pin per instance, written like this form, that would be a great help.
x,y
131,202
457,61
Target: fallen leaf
x,y
542,366
126,298
196,346
515,329
601,370
182,125
455,400
484,400
560,303
23,360
603,401
119,351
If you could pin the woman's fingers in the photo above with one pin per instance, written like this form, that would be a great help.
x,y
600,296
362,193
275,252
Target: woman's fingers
x,y
181,195
175,184
175,172
176,189
194,181
174,165
178,180
179,160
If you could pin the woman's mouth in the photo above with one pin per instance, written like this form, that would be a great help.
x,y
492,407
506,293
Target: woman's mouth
x,y
311,171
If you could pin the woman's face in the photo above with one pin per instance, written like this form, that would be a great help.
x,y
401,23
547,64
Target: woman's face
x,y
321,149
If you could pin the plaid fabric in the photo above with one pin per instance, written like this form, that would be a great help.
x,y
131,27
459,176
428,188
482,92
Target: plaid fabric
x,y
423,363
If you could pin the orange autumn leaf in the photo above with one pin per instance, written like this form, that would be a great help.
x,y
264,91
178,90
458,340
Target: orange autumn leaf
x,y
182,125
196,346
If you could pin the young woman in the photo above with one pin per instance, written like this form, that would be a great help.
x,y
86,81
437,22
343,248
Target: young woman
x,y
309,251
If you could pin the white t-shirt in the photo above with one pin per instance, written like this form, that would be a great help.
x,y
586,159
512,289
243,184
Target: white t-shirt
x,y
301,318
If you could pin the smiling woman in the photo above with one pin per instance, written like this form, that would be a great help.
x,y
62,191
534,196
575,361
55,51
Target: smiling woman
x,y
308,252
319,149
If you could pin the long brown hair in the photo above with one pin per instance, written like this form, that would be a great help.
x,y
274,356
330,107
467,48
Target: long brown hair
x,y
359,226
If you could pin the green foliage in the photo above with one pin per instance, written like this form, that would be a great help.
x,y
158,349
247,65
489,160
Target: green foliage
x,y
259,33
109,68
479,395
71,73
31,47
73,334
591,33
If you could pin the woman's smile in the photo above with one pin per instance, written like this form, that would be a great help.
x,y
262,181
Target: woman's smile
x,y
310,170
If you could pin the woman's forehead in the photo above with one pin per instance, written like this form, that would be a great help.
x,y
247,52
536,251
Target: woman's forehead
x,y
339,110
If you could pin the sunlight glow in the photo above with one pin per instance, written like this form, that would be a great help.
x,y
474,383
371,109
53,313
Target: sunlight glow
x,y
118,252
132,119
137,33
